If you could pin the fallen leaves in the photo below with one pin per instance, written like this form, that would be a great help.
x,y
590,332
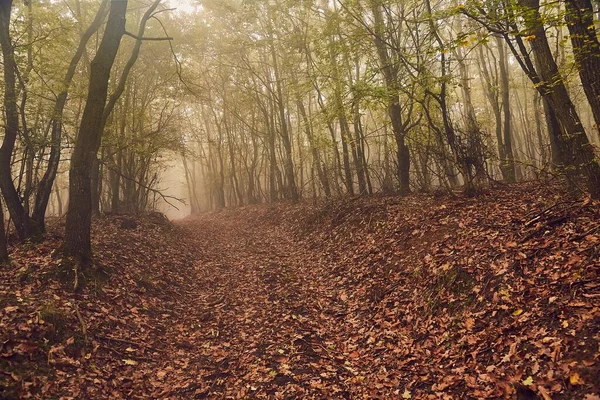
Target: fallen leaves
x,y
376,298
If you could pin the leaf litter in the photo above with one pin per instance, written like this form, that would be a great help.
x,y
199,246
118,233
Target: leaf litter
x,y
381,297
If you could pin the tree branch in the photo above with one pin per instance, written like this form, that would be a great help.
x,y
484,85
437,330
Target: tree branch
x,y
165,197
136,37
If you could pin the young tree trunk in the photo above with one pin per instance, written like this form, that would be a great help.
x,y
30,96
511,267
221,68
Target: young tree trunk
x,y
490,86
315,152
3,248
234,176
508,163
273,169
59,202
252,179
190,185
402,153
362,167
288,163
24,226
79,215
390,75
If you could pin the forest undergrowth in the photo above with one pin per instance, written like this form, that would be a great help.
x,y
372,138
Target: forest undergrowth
x,y
411,297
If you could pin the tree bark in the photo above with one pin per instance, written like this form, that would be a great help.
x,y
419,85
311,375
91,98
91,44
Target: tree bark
x,y
79,215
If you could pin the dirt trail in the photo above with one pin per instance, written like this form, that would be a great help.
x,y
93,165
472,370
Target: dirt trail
x,y
256,319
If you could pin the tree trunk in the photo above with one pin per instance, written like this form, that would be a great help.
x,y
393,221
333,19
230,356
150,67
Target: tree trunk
x,y
402,153
390,74
362,167
3,248
234,177
315,152
190,185
24,225
79,215
586,49
574,147
288,163
44,189
538,129
507,165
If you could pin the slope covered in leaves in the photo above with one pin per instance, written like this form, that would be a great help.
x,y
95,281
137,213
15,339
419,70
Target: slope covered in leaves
x,y
469,298
58,344
416,297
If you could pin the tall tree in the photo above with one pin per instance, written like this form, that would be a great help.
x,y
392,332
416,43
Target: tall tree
x,y
390,69
79,216
24,225
572,146
45,185
579,17
507,163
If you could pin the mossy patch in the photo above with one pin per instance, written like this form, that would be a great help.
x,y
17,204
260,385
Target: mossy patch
x,y
454,283
57,321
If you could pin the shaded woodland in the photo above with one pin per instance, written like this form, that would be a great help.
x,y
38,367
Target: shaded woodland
x,y
261,101
384,199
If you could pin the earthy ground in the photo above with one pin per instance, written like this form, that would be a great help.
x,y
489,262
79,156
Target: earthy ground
x,y
422,298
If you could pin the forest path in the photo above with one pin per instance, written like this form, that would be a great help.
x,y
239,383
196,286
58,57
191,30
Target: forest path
x,y
256,319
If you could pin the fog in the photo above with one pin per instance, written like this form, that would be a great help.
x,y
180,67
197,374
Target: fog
x,y
173,186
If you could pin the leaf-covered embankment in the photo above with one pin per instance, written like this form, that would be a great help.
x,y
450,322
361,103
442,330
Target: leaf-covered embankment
x,y
58,344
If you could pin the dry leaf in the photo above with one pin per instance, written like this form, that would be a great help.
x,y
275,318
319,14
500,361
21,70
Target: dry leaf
x,y
575,379
469,323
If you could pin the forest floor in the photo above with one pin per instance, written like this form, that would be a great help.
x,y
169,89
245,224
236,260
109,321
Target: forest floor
x,y
383,297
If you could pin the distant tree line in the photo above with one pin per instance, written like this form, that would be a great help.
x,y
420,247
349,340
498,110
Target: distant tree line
x,y
349,97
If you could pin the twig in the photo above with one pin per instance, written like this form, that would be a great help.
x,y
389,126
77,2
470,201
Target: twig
x,y
125,341
548,224
76,280
120,354
216,302
81,321
156,191
588,232
136,37
544,211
